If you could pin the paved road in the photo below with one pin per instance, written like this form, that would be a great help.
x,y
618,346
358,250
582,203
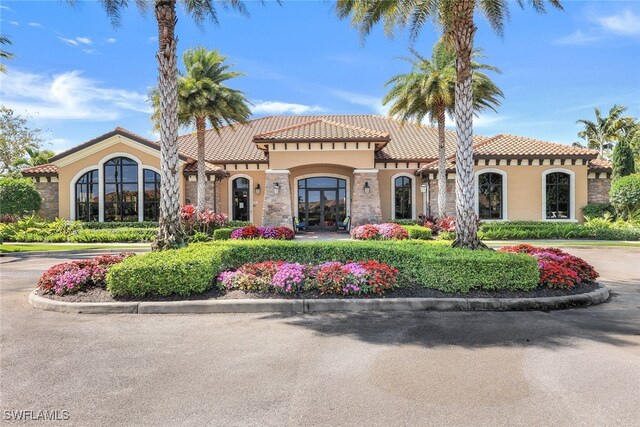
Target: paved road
x,y
572,367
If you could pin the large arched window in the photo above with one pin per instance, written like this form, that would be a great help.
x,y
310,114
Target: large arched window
x,y
87,197
490,196
120,190
558,195
240,199
151,195
403,197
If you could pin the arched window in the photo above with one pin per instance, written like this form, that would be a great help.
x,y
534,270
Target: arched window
x,y
490,196
121,190
151,195
240,199
558,195
87,197
402,190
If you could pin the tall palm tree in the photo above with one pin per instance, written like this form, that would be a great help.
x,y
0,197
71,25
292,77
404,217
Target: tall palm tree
x,y
604,132
457,20
429,90
202,97
4,40
169,234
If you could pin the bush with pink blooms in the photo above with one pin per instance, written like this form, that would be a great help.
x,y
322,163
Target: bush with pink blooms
x,y
558,269
74,276
194,222
252,232
386,231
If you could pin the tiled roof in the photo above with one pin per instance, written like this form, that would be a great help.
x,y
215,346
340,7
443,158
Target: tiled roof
x,y
600,165
409,141
433,166
322,130
505,145
192,169
41,170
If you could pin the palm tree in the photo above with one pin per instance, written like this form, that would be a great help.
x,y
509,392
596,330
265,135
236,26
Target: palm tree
x,y
170,234
202,96
457,20
36,157
604,132
429,90
4,40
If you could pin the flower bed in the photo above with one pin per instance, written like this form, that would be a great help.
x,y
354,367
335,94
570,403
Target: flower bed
x,y
71,277
331,277
386,231
252,232
558,269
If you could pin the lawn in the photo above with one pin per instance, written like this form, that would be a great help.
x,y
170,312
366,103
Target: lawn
x,y
48,247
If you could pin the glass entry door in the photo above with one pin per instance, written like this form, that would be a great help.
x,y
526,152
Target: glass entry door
x,y
322,202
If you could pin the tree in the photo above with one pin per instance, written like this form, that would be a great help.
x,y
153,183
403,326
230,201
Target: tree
x,y
35,157
4,40
457,20
625,195
170,234
429,90
622,159
18,196
16,138
604,132
202,97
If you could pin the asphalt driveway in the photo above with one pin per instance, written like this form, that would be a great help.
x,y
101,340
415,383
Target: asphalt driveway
x,y
571,367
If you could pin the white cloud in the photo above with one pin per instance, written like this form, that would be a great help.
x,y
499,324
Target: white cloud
x,y
578,37
626,23
16,23
70,42
372,102
5,7
110,40
153,39
35,24
68,96
84,40
89,50
276,107
76,41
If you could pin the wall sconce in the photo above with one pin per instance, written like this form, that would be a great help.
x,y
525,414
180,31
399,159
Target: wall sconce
x,y
276,188
367,189
423,188
257,189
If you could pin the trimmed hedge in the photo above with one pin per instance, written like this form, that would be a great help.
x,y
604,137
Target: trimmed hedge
x,y
418,232
119,235
193,269
223,233
116,224
515,230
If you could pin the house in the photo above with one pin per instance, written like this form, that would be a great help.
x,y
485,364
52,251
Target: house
x,y
322,169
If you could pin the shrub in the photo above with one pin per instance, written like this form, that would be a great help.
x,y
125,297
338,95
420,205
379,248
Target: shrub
x,y
117,224
625,194
386,231
618,230
597,210
405,221
193,269
446,224
18,196
447,235
199,236
206,221
253,232
120,235
222,233
418,232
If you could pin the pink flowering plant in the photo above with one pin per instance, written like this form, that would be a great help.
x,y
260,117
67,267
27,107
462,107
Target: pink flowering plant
x,y
386,231
252,232
206,221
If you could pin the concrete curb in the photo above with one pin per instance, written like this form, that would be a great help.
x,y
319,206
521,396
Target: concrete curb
x,y
323,305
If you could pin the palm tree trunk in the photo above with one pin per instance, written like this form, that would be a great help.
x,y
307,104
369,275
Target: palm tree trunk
x,y
464,30
442,167
202,170
170,234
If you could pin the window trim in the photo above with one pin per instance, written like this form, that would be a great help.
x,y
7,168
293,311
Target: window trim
x,y
505,195
151,168
74,192
572,195
230,191
413,194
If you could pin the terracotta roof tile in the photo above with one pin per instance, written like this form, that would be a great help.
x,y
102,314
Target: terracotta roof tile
x,y
210,168
41,170
600,165
322,130
505,145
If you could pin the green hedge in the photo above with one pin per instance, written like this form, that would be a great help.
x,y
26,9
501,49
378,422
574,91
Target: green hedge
x,y
418,232
119,235
222,233
193,269
515,230
116,224
598,210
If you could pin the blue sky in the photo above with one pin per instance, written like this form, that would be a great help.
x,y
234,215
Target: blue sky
x,y
78,77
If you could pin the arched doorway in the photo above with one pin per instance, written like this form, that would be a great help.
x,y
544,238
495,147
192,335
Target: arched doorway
x,y
322,202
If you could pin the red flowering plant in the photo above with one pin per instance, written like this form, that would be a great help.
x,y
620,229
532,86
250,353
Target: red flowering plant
x,y
558,269
365,232
437,225
206,221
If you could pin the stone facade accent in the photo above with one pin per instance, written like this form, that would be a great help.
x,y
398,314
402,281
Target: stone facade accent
x,y
598,190
191,194
49,193
365,208
277,209
451,197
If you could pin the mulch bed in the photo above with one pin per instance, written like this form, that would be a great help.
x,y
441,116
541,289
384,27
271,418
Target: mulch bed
x,y
101,295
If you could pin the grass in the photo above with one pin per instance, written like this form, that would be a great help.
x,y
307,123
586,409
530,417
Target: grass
x,y
49,247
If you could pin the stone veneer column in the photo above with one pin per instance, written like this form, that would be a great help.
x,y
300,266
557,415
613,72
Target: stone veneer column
x,y
276,210
365,208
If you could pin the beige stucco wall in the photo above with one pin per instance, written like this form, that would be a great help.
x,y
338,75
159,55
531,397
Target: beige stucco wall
x,y
67,173
358,159
256,201
524,190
